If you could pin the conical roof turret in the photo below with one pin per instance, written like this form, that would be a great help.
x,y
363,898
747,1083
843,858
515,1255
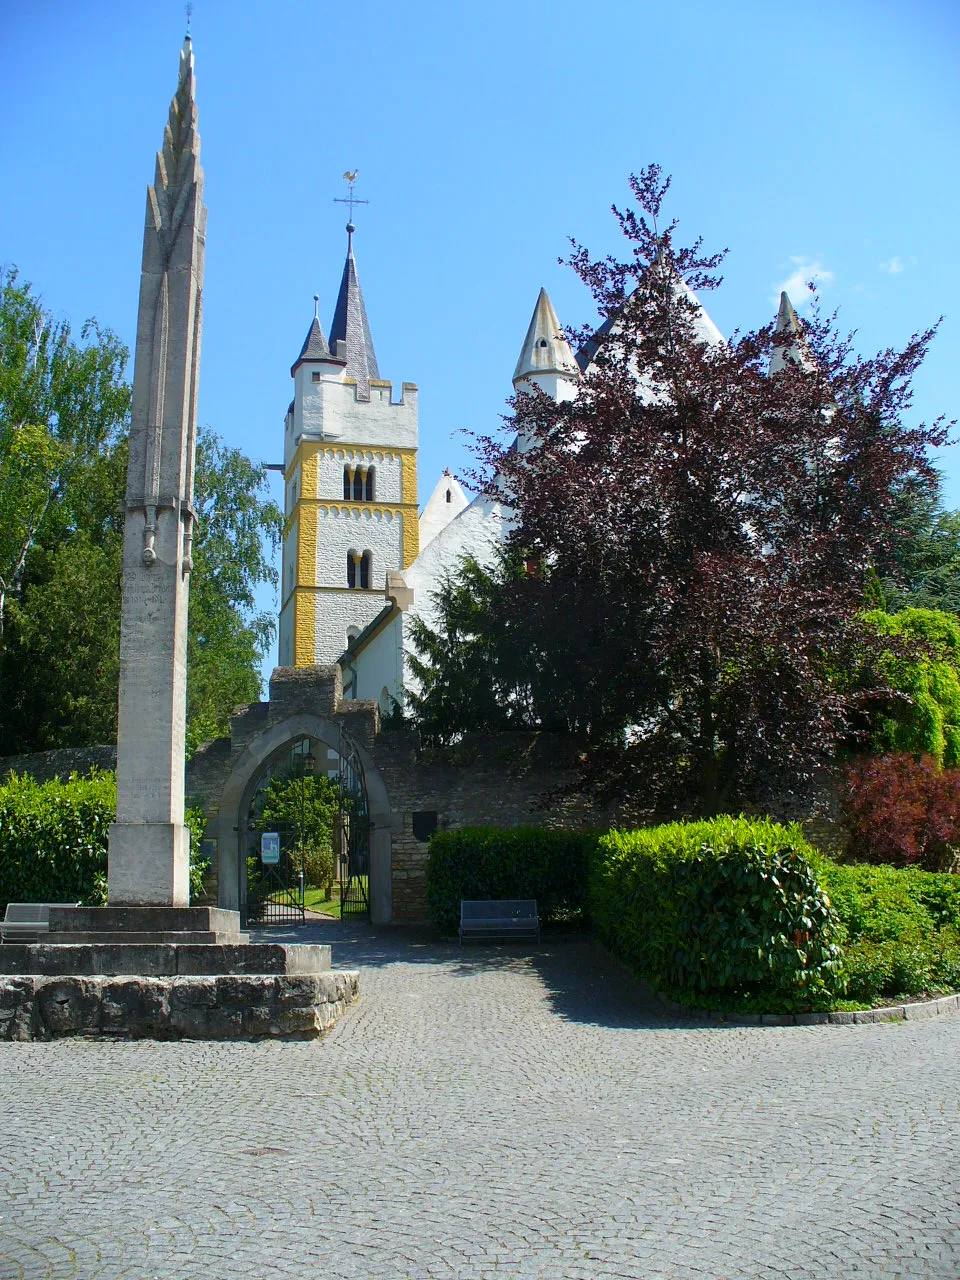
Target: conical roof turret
x,y
350,326
795,347
545,350
315,344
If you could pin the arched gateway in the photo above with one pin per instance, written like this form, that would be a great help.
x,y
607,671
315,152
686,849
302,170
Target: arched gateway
x,y
305,706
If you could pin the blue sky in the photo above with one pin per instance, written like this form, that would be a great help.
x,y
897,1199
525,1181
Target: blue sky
x,y
809,139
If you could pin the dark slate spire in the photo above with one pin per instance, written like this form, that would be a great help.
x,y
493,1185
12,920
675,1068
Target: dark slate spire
x,y
315,344
351,327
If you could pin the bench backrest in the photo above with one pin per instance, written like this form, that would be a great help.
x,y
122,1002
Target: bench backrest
x,y
493,909
31,912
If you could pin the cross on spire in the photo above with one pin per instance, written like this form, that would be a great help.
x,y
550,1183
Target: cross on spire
x,y
350,199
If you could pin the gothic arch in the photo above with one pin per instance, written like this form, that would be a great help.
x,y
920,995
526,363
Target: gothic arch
x,y
238,789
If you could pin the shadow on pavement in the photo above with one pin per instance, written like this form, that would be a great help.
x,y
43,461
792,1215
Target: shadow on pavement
x,y
583,982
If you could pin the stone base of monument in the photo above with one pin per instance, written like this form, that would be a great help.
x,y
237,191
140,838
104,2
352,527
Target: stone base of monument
x,y
144,924
208,1007
166,973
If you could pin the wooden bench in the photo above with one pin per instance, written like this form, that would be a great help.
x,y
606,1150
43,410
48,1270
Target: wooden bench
x,y
514,918
27,921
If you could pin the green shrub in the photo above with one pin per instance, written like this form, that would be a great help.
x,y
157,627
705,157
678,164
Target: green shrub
x,y
53,839
723,913
879,972
885,903
515,862
901,929
196,822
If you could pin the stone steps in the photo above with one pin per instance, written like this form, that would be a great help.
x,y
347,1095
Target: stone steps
x,y
161,959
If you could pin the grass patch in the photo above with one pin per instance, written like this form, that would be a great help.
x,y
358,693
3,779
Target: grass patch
x,y
317,900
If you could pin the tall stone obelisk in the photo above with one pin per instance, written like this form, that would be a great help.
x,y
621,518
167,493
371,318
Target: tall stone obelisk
x,y
148,861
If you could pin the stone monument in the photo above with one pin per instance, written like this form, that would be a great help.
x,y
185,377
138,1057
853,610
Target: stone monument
x,y
148,861
148,964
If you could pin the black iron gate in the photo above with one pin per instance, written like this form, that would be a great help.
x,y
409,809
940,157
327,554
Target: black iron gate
x,y
275,890
353,828
276,846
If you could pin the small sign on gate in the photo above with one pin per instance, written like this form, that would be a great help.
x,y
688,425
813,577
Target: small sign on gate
x,y
270,847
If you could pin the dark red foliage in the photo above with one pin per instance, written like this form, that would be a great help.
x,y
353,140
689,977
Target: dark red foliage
x,y
702,530
903,811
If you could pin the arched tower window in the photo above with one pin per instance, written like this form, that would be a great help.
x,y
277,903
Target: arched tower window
x,y
347,482
368,484
358,484
352,558
448,495
366,570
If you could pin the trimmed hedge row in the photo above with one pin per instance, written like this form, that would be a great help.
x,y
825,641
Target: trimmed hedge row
x,y
731,914
53,839
515,862
720,912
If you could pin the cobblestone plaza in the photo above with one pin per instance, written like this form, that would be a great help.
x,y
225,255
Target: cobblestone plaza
x,y
486,1113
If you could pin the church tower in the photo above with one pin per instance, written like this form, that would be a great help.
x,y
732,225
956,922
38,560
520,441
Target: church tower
x,y
350,471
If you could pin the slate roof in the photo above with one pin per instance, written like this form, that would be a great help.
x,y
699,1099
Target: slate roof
x,y
350,325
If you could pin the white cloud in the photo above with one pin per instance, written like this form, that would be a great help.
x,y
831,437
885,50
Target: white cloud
x,y
795,285
893,265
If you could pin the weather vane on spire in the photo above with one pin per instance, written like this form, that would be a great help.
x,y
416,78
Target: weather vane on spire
x,y
350,199
189,8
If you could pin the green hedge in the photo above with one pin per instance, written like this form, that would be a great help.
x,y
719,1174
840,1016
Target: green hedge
x,y
515,862
725,913
53,839
900,929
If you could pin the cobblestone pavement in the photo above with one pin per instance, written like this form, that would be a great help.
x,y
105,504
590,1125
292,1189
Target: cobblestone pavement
x,y
487,1114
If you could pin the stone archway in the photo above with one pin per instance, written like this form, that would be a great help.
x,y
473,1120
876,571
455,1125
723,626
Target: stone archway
x,y
228,827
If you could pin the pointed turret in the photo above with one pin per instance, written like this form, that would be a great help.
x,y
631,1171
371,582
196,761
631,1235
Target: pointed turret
x,y
546,358
315,346
350,330
545,349
794,348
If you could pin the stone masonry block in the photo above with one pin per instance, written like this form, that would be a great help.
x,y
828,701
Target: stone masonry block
x,y
15,957
204,1022
18,1011
136,1006
68,1006
262,1020
330,1013
241,991
300,989
317,690
193,993
301,1020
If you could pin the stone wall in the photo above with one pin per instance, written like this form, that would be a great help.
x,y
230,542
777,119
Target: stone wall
x,y
46,765
504,780
497,779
